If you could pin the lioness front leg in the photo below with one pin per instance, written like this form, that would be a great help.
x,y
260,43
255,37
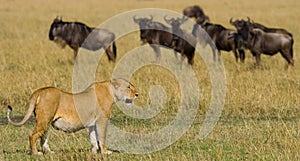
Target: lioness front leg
x,y
93,139
101,127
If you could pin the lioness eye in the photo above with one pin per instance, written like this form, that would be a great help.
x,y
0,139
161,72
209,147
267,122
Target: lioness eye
x,y
128,87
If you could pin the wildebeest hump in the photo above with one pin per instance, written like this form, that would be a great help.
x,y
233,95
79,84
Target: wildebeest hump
x,y
78,33
97,39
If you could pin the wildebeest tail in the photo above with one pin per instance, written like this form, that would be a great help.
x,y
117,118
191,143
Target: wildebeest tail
x,y
33,101
292,44
114,48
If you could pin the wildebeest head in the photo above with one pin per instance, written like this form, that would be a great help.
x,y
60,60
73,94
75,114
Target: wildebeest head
x,y
53,28
196,12
55,31
175,23
243,27
144,25
202,20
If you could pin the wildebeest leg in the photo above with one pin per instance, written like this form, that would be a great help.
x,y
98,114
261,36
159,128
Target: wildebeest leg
x,y
233,47
157,51
235,55
181,61
254,58
190,57
212,46
287,57
214,54
257,59
214,39
110,55
175,53
75,53
242,55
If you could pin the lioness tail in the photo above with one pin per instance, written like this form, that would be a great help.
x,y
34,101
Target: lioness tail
x,y
33,101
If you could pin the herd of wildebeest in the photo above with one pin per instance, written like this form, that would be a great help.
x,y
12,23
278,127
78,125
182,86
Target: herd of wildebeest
x,y
250,35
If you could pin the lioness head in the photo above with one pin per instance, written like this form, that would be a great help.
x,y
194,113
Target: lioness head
x,y
124,91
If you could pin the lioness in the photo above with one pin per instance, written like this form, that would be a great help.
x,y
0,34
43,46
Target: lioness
x,y
72,112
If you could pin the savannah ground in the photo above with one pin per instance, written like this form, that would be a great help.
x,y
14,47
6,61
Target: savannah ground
x,y
261,116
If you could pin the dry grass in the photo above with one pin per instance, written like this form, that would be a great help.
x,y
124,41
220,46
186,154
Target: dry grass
x,y
261,117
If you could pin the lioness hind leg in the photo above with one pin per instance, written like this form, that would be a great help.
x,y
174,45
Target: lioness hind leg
x,y
44,143
36,134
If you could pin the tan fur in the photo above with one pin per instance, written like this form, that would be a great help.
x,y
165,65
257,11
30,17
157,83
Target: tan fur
x,y
73,112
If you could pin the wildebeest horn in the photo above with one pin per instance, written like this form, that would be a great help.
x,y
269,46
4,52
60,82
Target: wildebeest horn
x,y
168,21
183,19
151,18
135,19
206,18
57,19
230,21
248,19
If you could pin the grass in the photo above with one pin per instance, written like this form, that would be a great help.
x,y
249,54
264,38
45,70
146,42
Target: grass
x,y
260,120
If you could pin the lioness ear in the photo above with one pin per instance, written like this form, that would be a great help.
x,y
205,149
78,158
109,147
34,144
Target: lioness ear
x,y
115,83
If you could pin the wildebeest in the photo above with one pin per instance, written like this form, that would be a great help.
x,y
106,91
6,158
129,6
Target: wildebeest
x,y
157,34
224,39
259,41
154,33
77,34
260,26
196,12
183,42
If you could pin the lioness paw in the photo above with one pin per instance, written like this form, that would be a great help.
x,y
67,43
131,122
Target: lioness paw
x,y
107,152
94,150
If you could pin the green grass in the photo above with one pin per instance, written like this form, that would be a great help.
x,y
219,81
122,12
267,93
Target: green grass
x,y
260,120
